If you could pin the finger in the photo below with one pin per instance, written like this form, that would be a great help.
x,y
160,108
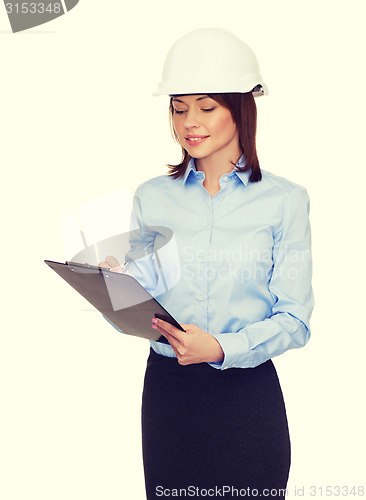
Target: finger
x,y
103,264
112,261
176,352
186,326
177,346
172,340
172,330
117,269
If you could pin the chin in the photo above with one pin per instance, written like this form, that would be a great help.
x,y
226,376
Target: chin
x,y
196,154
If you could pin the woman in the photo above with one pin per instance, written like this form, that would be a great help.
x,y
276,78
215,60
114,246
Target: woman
x,y
213,416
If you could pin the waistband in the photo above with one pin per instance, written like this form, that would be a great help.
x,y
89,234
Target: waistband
x,y
170,366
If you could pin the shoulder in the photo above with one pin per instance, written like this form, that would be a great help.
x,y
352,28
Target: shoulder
x,y
280,184
292,197
159,183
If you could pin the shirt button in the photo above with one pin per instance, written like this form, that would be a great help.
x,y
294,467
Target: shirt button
x,y
233,365
226,367
202,258
200,297
225,178
205,224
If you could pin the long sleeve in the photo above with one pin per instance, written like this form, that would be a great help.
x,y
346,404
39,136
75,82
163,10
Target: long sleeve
x,y
142,260
153,258
290,286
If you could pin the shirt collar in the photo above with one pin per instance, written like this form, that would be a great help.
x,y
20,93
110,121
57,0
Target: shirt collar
x,y
243,176
191,170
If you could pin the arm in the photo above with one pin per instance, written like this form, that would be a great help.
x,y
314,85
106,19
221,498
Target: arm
x,y
142,259
290,285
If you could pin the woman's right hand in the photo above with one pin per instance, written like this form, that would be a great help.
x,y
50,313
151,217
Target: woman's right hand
x,y
111,263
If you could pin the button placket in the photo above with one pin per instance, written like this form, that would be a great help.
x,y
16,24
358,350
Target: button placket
x,y
201,257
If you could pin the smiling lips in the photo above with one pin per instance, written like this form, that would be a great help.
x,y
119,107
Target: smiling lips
x,y
194,140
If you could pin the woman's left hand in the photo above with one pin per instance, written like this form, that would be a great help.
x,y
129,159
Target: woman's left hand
x,y
192,346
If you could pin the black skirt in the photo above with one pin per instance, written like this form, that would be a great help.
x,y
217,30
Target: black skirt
x,y
213,433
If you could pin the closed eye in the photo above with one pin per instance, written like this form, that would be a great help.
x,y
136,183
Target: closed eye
x,y
207,110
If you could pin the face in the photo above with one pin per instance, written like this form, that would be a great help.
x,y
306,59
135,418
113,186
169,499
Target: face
x,y
204,127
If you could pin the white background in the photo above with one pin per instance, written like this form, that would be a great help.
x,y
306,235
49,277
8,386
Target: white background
x,y
78,121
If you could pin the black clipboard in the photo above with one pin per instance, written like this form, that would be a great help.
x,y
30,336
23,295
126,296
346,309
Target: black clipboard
x,y
118,296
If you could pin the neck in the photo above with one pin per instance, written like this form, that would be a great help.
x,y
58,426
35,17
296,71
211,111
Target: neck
x,y
214,166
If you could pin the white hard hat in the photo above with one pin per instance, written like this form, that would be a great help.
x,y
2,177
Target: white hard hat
x,y
210,60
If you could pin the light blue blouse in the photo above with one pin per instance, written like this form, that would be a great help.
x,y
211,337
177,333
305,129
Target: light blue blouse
x,y
237,264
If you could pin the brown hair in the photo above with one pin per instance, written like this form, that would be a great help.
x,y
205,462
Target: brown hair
x,y
244,112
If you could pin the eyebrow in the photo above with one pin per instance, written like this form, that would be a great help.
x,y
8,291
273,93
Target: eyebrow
x,y
198,99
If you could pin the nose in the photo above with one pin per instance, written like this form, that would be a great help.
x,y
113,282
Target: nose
x,y
191,119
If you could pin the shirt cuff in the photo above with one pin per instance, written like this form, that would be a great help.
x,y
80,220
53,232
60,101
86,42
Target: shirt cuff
x,y
233,345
